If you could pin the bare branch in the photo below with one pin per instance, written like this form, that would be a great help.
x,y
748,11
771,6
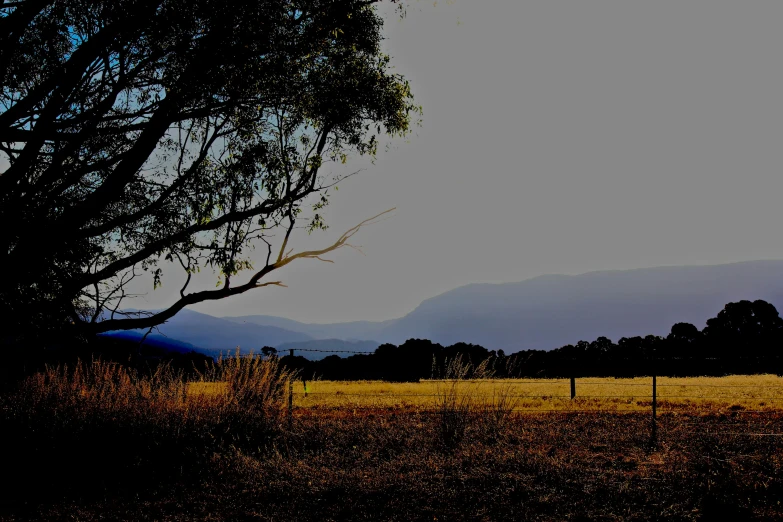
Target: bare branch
x,y
355,247
291,221
221,293
338,244
271,283
187,271
322,259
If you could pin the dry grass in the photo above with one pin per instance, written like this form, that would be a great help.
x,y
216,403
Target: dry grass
x,y
101,425
549,467
457,400
250,383
99,439
693,394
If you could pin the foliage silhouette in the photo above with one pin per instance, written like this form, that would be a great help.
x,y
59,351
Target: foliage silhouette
x,y
745,337
144,131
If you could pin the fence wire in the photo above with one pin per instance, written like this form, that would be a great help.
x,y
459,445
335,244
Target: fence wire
x,y
331,351
717,416
735,401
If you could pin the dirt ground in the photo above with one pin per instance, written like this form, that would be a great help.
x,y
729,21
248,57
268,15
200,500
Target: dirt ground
x,y
392,464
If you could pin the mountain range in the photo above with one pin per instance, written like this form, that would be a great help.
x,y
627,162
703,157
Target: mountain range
x,y
544,312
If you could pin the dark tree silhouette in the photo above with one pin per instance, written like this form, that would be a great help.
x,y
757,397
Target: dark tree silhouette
x,y
138,131
599,349
744,328
685,332
683,341
269,351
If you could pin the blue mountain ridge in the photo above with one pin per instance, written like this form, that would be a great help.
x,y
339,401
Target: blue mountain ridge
x,y
544,312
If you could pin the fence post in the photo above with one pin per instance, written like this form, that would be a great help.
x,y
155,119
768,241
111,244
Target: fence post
x,y
290,394
573,388
654,436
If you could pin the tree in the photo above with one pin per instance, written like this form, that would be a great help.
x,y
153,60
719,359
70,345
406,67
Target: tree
x,y
682,341
269,351
599,349
744,328
188,131
630,348
651,345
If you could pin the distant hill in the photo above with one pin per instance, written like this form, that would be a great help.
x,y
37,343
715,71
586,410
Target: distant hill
x,y
553,310
213,335
157,341
356,330
193,331
544,312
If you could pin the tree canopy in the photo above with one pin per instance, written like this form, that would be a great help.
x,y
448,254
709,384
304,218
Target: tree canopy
x,y
137,131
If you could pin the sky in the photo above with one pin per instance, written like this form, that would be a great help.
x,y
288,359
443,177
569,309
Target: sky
x,y
556,137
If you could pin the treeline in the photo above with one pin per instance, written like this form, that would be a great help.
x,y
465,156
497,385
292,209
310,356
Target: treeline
x,y
745,337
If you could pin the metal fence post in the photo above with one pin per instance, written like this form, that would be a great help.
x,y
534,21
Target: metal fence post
x,y
654,436
573,388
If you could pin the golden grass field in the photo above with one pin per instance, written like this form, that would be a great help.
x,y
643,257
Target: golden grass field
x,y
142,446
735,393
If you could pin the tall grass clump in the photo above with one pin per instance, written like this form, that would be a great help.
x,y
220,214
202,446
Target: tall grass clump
x,y
497,410
100,387
97,425
460,402
456,401
251,382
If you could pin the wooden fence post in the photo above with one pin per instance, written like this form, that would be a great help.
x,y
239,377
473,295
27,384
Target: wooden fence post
x,y
573,388
654,436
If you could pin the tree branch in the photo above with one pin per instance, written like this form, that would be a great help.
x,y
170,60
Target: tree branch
x,y
156,246
213,295
155,205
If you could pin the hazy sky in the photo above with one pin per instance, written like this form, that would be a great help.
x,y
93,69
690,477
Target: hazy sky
x,y
557,137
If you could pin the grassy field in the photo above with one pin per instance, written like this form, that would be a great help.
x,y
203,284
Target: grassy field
x,y
547,467
736,392
100,442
